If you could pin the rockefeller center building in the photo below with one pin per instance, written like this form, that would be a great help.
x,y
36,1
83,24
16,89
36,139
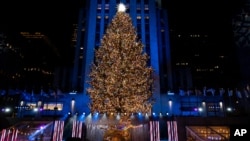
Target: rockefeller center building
x,y
152,28
178,104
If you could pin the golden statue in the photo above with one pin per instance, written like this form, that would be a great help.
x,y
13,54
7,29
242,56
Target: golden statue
x,y
120,132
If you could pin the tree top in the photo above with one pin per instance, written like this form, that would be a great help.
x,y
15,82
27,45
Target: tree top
x,y
121,7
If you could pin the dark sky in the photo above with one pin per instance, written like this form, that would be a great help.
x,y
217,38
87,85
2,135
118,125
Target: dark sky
x,y
53,17
37,15
201,15
54,20
43,14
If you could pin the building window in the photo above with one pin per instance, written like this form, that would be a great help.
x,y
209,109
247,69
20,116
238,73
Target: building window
x,y
31,105
51,106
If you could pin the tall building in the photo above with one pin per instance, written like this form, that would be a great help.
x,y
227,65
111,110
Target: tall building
x,y
199,62
151,23
241,30
190,62
27,62
203,52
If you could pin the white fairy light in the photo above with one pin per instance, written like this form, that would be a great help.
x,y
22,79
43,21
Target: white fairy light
x,y
121,7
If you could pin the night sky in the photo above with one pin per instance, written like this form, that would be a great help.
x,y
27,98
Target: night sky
x,y
36,15
52,19
55,18
44,14
201,15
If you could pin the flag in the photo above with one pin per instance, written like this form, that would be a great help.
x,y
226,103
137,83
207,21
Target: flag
x,y
11,135
172,131
230,93
3,135
222,91
246,93
154,131
77,129
58,130
238,94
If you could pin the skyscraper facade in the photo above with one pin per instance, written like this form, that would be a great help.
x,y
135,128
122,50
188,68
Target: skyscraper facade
x,y
151,24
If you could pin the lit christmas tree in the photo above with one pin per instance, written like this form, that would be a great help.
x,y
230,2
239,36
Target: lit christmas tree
x,y
120,79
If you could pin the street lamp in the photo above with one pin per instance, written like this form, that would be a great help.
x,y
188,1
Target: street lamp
x,y
21,108
221,107
72,106
39,105
204,107
170,103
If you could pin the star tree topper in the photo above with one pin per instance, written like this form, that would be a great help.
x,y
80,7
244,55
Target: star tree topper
x,y
121,7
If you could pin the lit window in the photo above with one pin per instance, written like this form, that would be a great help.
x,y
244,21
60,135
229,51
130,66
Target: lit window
x,y
216,67
31,105
51,106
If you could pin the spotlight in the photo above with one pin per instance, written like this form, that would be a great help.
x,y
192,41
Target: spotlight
x,y
96,114
229,109
200,109
41,127
6,110
35,109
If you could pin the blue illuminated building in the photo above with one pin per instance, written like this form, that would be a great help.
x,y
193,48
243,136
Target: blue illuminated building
x,y
152,28
151,22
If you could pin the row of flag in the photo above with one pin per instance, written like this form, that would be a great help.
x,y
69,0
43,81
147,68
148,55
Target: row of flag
x,y
155,131
58,130
77,130
9,135
240,94
172,131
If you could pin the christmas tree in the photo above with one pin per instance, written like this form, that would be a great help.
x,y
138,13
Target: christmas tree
x,y
120,79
